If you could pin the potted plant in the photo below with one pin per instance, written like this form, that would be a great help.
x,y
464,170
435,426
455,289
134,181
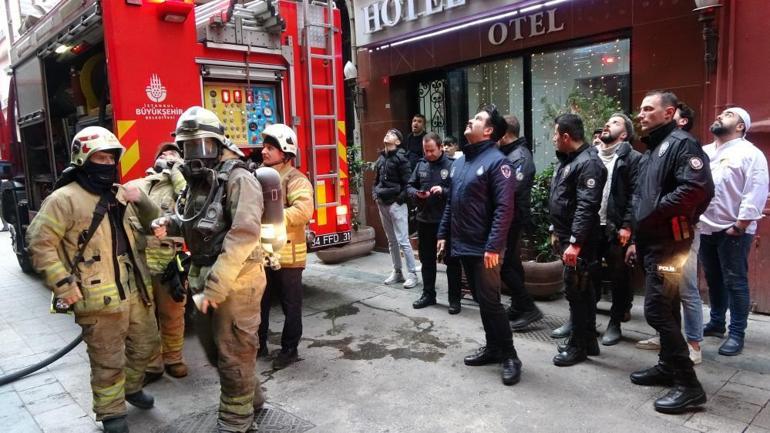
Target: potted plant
x,y
362,237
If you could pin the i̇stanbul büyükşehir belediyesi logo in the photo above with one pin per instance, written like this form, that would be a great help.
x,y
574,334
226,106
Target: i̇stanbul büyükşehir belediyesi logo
x,y
156,110
156,91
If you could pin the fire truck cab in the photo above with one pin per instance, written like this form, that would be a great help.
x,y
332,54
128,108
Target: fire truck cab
x,y
133,66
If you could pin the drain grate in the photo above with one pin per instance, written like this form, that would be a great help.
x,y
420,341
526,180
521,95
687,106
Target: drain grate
x,y
270,420
541,330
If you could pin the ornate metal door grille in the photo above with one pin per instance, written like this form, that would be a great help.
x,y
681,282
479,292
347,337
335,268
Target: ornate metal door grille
x,y
432,102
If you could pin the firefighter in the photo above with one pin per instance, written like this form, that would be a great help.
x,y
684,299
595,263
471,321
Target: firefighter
x,y
220,222
83,242
279,151
163,186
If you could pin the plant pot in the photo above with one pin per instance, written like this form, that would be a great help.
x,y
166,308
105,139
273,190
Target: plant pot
x,y
543,280
361,244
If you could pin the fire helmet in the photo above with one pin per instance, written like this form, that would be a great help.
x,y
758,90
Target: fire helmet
x,y
284,136
94,139
194,126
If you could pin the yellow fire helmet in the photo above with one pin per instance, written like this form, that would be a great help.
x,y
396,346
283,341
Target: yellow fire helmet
x,y
94,139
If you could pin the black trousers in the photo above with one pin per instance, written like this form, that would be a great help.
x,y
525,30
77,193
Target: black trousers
x,y
427,233
662,271
617,272
581,294
286,283
485,284
512,272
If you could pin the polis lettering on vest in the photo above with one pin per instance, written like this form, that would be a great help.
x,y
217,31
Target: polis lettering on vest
x,y
389,13
538,25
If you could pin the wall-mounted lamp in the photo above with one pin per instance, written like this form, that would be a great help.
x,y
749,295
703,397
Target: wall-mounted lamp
x,y
707,10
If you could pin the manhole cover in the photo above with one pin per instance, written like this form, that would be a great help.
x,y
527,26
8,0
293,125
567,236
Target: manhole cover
x,y
541,330
270,420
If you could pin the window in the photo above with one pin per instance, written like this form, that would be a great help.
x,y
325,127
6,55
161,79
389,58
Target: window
x,y
500,83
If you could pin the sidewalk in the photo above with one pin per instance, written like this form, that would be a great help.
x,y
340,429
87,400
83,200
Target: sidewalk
x,y
371,363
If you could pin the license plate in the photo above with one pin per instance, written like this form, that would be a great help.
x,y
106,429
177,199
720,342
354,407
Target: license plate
x,y
331,239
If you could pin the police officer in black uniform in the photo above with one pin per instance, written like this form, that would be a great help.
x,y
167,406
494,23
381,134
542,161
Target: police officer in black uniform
x,y
429,188
523,310
576,195
477,217
674,188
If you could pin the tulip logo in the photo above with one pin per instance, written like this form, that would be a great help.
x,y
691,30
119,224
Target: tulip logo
x,y
156,91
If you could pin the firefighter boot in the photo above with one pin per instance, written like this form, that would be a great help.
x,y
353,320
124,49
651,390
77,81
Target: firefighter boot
x,y
177,370
141,399
687,393
116,424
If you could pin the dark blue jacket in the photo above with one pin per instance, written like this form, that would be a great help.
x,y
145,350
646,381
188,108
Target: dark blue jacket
x,y
426,175
520,155
481,204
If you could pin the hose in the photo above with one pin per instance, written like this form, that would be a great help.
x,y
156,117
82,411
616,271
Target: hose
x,y
16,375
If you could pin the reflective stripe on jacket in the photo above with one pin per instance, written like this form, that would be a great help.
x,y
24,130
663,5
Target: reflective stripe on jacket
x,y
297,212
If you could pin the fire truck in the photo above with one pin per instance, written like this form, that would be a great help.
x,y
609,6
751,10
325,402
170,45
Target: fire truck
x,y
133,66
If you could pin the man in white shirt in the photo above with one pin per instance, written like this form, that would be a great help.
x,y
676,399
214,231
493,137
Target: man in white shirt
x,y
728,225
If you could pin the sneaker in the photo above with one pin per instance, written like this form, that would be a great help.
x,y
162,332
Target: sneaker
x,y
395,277
696,356
649,344
411,280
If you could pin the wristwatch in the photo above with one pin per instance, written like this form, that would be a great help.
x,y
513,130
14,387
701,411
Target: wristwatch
x,y
739,230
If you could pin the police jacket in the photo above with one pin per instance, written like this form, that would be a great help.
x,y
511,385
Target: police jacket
x,y
524,168
481,203
413,148
53,240
624,178
426,175
163,189
576,195
229,259
674,181
391,174
297,211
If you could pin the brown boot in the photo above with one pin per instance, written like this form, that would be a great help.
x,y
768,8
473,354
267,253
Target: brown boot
x,y
177,370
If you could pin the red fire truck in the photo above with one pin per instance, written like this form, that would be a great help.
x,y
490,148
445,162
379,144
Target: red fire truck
x,y
134,66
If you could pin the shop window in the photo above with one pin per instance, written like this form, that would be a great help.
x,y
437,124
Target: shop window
x,y
500,83
597,76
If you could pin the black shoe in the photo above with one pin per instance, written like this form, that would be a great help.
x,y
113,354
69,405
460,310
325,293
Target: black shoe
x,y
512,313
657,375
680,399
511,373
141,399
612,335
483,356
424,301
117,424
562,331
731,347
454,308
592,346
263,352
711,330
573,355
285,358
151,376
526,318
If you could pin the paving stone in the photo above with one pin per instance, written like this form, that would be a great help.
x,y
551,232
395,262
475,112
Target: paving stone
x,y
14,418
708,422
763,419
33,380
755,380
755,429
745,393
44,398
65,419
732,408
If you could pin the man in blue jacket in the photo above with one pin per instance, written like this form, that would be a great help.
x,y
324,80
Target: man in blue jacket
x,y
477,217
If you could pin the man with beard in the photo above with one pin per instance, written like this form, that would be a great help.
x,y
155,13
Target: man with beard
x,y
476,218
622,164
574,201
672,191
221,224
523,310
413,143
729,223
82,240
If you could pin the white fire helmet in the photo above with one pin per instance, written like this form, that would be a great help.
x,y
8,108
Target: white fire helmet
x,y
195,125
284,135
94,139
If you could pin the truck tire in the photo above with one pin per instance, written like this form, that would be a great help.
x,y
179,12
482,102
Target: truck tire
x,y
22,256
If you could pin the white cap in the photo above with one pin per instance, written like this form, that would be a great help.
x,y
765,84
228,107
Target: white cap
x,y
744,115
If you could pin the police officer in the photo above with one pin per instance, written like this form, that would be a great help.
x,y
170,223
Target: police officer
x,y
100,271
220,221
622,164
576,194
429,187
674,188
477,216
279,151
523,310
163,186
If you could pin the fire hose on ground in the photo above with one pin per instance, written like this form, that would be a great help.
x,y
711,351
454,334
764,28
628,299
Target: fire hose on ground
x,y
16,375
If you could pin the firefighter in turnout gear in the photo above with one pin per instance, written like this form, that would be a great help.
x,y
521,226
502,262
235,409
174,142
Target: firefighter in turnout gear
x,y
82,240
279,151
163,186
220,216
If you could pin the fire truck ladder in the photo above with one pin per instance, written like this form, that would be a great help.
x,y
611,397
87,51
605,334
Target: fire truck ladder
x,y
318,32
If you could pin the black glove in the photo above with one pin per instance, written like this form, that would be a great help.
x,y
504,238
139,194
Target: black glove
x,y
175,276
